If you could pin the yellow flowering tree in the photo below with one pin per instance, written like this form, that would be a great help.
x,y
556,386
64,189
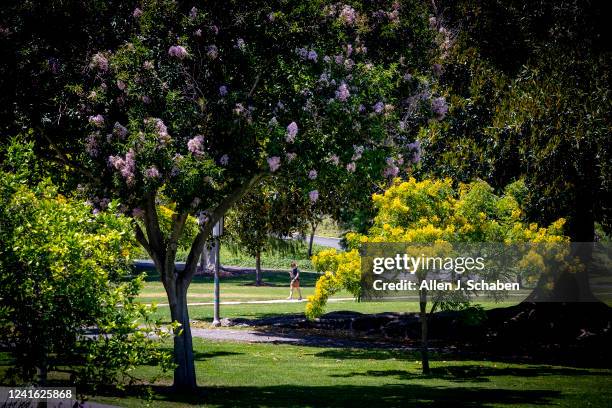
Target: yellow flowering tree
x,y
430,211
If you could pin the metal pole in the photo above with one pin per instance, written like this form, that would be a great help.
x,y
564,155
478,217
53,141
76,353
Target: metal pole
x,y
217,231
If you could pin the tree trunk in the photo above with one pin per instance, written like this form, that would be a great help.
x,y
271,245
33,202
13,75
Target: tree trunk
x,y
424,339
258,268
184,373
312,234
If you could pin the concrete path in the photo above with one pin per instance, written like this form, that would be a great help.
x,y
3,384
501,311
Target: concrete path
x,y
289,337
247,302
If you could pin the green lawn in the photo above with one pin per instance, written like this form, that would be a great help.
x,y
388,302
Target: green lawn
x,y
241,288
240,374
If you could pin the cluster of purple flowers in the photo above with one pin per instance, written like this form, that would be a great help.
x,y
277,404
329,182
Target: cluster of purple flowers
x,y
137,12
119,130
178,51
92,144
223,90
416,151
351,167
313,196
240,44
348,15
97,120
307,55
212,51
193,13
342,94
126,166
99,62
291,156
358,152
439,107
224,160
292,131
312,174
378,107
274,163
196,145
334,159
391,170
152,173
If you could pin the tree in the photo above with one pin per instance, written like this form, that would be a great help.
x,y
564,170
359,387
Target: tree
x,y
63,271
427,212
202,104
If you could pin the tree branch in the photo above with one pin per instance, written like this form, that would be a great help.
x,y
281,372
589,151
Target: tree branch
x,y
198,244
61,156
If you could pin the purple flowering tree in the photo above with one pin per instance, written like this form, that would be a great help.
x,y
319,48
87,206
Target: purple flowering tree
x,y
200,105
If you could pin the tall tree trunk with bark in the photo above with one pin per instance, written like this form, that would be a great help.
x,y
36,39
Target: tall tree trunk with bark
x,y
258,268
162,250
424,330
311,240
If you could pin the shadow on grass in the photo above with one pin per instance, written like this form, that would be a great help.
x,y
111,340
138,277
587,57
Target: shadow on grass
x,y
388,395
473,373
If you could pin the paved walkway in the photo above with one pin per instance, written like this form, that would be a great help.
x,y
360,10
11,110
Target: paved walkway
x,y
247,302
295,338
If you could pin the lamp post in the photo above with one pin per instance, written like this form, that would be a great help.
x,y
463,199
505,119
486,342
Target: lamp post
x,y
217,232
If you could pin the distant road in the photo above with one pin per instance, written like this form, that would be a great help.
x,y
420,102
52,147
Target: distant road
x,y
323,241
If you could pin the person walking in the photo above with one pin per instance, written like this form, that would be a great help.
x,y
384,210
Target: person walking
x,y
294,274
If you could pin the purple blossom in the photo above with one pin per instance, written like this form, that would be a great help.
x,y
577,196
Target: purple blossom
x,y
178,51
391,171
120,130
292,131
92,145
274,163
362,108
433,22
348,15
291,157
312,174
349,64
313,195
223,90
212,51
351,167
137,212
99,61
342,94
358,152
120,85
148,65
137,12
152,173
271,17
195,145
97,120
439,107
193,13
378,107
224,160
198,32
146,100
334,159
312,55
437,69
126,166
302,52
339,59
240,44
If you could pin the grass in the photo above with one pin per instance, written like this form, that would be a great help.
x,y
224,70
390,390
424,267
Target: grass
x,y
241,288
266,375
329,228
